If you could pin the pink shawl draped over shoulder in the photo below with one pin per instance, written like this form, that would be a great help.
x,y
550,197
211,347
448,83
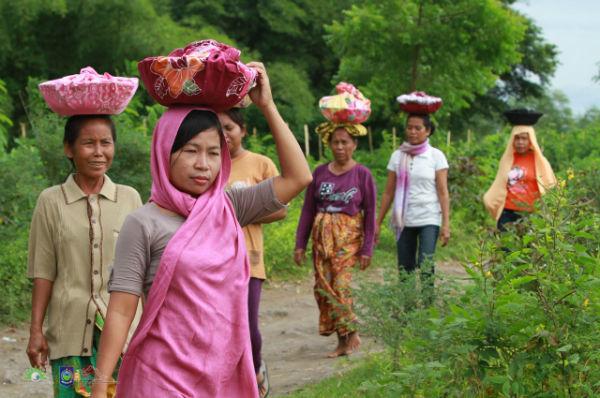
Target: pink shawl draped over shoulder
x,y
403,183
193,339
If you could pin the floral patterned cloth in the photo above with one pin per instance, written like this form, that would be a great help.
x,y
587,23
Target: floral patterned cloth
x,y
337,239
205,72
72,376
348,106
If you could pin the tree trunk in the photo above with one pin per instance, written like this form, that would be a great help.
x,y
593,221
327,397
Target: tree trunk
x,y
416,53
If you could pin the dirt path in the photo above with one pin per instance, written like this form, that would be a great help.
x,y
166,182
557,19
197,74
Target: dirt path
x,y
292,348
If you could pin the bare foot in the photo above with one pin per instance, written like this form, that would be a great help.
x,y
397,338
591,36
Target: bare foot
x,y
341,349
352,342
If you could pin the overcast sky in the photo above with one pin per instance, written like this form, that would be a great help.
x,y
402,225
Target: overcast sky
x,y
574,27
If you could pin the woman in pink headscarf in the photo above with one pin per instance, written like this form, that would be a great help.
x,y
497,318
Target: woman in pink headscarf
x,y
184,253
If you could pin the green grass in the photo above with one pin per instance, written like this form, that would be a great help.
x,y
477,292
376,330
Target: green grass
x,y
347,382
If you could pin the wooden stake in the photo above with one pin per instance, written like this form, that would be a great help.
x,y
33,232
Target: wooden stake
x,y
306,143
393,137
254,131
469,137
320,141
23,129
370,139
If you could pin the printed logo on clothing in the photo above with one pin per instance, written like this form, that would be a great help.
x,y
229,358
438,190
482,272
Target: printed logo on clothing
x,y
65,376
326,189
516,180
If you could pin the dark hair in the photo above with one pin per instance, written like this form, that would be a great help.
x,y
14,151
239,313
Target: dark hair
x,y
76,123
237,116
426,121
194,123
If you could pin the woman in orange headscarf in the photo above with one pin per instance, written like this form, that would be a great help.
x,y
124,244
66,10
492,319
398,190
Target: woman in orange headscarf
x,y
524,174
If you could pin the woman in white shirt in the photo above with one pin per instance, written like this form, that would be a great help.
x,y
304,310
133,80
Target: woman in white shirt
x,y
417,184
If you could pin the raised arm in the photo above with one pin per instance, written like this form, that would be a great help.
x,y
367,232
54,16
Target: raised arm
x,y
295,173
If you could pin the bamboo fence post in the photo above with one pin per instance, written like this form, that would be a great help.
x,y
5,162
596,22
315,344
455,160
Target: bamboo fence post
x,y
370,139
469,138
448,138
254,131
393,137
320,142
306,143
23,129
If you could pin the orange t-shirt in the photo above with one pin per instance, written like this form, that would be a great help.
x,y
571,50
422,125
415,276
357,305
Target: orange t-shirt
x,y
522,186
246,170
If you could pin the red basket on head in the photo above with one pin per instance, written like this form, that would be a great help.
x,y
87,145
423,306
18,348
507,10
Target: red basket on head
x,y
205,72
419,102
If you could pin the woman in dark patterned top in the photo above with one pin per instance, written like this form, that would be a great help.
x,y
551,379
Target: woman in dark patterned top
x,y
339,212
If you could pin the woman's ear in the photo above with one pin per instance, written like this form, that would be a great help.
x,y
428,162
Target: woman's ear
x,y
68,151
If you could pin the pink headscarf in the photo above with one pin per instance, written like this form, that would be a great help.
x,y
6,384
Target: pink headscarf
x,y
193,339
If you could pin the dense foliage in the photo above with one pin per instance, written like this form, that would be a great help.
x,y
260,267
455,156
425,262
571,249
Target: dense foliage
x,y
523,324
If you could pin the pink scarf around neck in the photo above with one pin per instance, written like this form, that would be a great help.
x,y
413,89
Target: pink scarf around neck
x,y
193,339
403,182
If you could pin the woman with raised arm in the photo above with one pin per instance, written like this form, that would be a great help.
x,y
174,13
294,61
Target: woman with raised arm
x,y
184,252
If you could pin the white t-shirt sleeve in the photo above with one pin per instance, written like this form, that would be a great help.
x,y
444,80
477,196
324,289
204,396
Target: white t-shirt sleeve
x,y
440,160
394,159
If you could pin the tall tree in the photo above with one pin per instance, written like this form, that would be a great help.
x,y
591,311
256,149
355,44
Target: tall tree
x,y
526,80
455,49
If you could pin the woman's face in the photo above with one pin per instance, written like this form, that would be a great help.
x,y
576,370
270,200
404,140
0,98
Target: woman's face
x,y
342,145
196,165
521,143
93,150
416,132
233,132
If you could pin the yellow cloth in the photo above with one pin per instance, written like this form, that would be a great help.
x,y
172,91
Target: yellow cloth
x,y
495,197
247,170
326,129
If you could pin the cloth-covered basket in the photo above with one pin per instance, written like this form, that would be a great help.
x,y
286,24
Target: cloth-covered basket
x,y
89,93
348,106
205,72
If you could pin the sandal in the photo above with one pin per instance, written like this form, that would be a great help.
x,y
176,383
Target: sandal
x,y
263,386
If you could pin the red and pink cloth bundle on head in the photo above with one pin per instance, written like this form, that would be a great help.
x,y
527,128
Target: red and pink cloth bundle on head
x,y
206,73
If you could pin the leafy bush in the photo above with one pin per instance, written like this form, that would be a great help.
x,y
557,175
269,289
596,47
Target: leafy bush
x,y
526,325
16,287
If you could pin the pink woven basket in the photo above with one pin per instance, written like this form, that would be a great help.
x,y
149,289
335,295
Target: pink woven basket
x,y
89,93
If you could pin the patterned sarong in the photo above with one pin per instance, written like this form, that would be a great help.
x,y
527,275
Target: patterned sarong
x,y
72,377
337,239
